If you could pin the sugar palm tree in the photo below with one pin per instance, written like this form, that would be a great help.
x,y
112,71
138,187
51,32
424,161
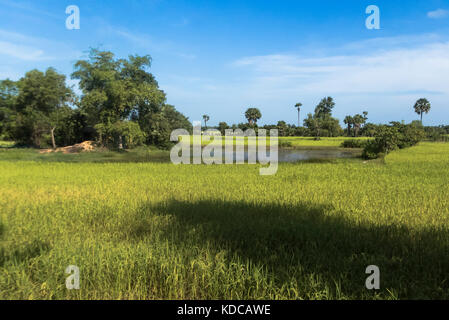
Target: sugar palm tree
x,y
298,106
206,118
253,115
422,106
349,121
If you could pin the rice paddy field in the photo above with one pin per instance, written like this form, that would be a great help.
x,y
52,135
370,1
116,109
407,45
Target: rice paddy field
x,y
297,142
159,231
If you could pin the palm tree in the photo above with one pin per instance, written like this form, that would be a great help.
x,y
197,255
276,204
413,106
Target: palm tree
x,y
422,106
298,106
358,120
252,115
206,118
349,121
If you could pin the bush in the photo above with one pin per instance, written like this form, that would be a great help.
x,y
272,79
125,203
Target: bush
x,y
393,137
354,143
285,144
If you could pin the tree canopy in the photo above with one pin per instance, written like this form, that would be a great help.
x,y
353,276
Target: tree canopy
x,y
253,115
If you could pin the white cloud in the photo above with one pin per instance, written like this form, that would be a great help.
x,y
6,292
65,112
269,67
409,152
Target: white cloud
x,y
420,69
25,48
438,14
21,52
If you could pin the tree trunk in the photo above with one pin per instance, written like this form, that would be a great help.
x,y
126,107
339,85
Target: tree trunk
x,y
120,142
421,117
53,138
299,118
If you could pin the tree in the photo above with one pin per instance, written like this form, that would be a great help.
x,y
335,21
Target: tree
x,y
42,99
298,106
313,124
349,121
324,108
206,118
282,128
120,90
8,96
359,120
422,106
321,121
253,115
222,127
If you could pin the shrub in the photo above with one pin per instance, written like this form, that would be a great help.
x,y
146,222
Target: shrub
x,y
354,143
393,137
285,144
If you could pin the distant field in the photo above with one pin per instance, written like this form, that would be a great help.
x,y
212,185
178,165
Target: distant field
x,y
323,142
6,144
300,142
159,231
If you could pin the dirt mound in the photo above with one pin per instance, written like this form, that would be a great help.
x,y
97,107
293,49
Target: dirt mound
x,y
85,146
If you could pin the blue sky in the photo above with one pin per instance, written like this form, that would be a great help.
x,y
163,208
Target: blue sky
x,y
221,57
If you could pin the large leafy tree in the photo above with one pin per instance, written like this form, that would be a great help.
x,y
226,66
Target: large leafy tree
x,y
42,101
117,90
253,115
8,95
324,108
422,106
321,122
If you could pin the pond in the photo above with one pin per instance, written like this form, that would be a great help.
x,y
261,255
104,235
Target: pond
x,y
289,155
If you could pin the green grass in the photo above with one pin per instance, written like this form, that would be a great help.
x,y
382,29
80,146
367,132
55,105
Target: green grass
x,y
159,231
308,142
6,144
303,142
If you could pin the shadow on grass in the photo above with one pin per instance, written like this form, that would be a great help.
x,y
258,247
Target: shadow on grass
x,y
23,253
300,240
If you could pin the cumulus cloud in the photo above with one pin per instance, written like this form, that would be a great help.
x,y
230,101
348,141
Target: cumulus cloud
x,y
438,14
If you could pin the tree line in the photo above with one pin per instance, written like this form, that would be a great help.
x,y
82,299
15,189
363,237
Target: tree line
x,y
321,123
121,105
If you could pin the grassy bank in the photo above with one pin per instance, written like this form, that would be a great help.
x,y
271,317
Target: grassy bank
x,y
159,231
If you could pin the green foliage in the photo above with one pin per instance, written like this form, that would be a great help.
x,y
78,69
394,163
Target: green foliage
x,y
253,115
122,134
35,106
422,106
222,127
393,137
206,118
354,143
355,123
116,90
324,108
